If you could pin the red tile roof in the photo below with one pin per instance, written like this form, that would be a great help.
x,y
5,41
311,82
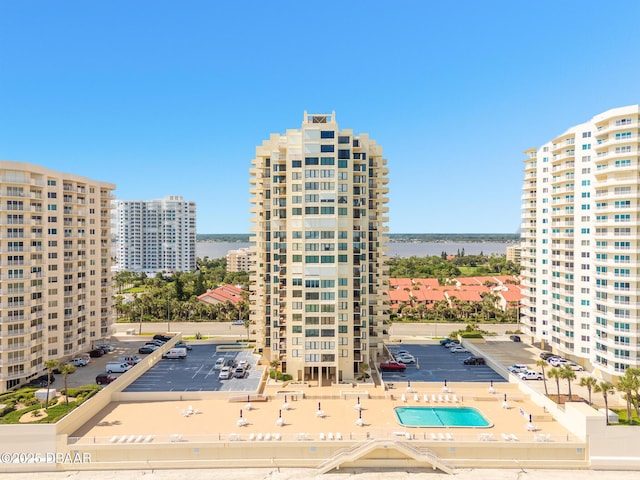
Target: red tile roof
x,y
224,293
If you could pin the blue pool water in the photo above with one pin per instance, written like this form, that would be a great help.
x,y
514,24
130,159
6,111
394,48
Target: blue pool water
x,y
441,417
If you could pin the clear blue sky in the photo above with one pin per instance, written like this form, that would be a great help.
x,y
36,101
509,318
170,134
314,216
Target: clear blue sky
x,y
172,97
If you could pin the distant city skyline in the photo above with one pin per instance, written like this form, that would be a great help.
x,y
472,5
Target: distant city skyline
x,y
162,98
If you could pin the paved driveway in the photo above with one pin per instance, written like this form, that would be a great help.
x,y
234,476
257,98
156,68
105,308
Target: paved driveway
x,y
197,373
437,364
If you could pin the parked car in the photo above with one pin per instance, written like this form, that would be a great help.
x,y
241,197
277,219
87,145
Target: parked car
x,y
515,338
148,349
157,343
118,367
41,381
474,361
180,353
105,347
78,362
225,373
546,355
517,368
219,363
445,341
183,345
530,375
96,353
556,361
458,349
453,343
392,366
164,338
575,367
239,372
105,378
130,359
406,358
237,322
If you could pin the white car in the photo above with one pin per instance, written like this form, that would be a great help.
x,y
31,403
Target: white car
x,y
405,358
530,375
225,373
575,367
458,349
78,362
219,363
557,361
517,368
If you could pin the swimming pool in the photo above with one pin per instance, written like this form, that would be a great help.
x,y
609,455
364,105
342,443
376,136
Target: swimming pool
x,y
441,417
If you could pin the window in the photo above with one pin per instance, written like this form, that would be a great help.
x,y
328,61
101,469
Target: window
x,y
326,148
327,134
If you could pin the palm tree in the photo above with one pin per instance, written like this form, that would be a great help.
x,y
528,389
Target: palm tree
x,y
543,363
607,389
569,375
66,369
556,375
627,384
589,383
50,365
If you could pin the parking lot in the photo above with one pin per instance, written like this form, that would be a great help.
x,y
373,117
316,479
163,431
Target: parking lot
x,y
435,363
197,373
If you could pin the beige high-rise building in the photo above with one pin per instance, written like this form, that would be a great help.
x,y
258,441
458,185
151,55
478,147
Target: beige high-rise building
x,y
55,268
319,210
239,260
581,240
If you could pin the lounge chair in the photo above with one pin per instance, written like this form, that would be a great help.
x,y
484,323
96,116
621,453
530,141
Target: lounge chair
x,y
447,399
114,439
506,437
140,438
276,436
449,436
513,437
329,436
433,398
403,397
440,399
267,436
441,436
416,398
322,436
148,439
252,436
433,436
259,437
455,399
425,397
338,436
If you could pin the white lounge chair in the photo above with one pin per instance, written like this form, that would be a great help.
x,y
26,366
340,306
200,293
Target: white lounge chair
x,y
276,436
416,398
433,398
433,436
338,436
449,436
123,439
513,437
506,437
140,438
260,437
455,399
440,399
252,436
114,439
322,436
425,397
447,399
131,439
441,436
329,436
403,397
148,439
267,436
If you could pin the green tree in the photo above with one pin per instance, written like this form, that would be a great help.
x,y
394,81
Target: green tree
x,y
50,365
627,383
542,364
66,369
569,375
556,374
606,388
589,383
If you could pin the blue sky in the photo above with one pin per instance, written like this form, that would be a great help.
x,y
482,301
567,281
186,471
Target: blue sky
x,y
172,97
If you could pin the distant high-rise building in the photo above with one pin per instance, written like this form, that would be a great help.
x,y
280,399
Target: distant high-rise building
x,y
55,268
156,235
513,253
239,260
319,209
580,241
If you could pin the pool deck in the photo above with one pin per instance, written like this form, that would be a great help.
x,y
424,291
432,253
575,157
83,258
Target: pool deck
x,y
217,418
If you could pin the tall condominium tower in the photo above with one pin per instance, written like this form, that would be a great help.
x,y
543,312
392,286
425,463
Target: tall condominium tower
x,y
55,267
156,235
318,208
580,242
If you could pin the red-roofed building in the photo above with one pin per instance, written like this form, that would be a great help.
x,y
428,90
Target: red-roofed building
x,y
224,293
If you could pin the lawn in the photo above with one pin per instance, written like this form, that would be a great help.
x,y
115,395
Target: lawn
x,y
622,415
